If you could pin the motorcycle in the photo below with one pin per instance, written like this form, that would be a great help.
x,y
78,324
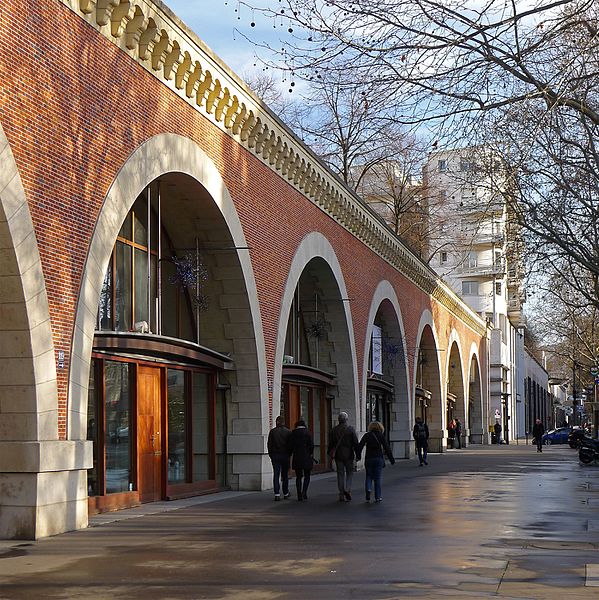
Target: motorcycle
x,y
588,450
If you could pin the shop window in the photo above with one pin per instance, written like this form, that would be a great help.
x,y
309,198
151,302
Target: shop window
x,y
117,411
202,427
376,350
177,427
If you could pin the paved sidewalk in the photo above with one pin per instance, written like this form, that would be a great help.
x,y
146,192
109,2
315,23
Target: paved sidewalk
x,y
477,523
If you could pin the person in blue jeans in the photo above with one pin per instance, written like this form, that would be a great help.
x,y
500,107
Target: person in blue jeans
x,y
374,460
278,451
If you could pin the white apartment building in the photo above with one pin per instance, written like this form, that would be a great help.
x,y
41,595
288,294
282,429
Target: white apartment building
x,y
474,246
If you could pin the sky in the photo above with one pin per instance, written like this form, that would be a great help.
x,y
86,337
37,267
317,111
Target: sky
x,y
221,27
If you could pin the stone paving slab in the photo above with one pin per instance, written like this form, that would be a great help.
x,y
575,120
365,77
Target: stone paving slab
x,y
494,523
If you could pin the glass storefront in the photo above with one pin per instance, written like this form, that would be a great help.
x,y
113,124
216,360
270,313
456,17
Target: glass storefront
x,y
157,422
195,429
117,410
177,427
309,402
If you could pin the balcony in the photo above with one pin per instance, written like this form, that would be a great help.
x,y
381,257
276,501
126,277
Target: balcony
x,y
496,269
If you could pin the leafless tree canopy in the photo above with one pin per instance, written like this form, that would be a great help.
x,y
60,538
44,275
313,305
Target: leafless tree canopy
x,y
519,78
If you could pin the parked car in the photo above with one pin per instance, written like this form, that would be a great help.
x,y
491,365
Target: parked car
x,y
557,436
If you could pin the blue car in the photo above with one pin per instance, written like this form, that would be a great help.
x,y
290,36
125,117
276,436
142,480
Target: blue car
x,y
557,436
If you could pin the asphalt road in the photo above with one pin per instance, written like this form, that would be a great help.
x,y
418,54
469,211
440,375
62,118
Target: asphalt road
x,y
501,522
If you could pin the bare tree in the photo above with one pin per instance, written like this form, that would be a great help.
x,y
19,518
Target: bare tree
x,y
521,78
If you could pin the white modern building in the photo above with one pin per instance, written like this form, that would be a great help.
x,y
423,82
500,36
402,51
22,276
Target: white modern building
x,y
475,247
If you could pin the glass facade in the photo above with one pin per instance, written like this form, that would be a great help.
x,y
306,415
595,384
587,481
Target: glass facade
x,y
117,426
158,425
177,426
202,428
130,299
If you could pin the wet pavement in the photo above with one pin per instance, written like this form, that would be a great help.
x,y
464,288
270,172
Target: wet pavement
x,y
488,522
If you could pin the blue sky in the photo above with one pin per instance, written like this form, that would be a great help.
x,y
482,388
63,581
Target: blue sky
x,y
216,26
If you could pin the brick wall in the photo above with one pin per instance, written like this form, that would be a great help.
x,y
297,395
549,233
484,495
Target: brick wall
x,y
74,107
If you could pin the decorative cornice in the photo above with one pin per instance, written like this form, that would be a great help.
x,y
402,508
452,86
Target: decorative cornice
x,y
152,35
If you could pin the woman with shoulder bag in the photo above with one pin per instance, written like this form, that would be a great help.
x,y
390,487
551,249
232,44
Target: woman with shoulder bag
x,y
376,448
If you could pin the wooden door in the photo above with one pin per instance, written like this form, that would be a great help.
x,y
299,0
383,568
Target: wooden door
x,y
149,434
293,409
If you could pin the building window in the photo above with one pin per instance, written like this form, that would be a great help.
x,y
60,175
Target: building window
x,y
177,427
130,298
117,413
469,288
442,164
472,260
376,350
443,257
498,288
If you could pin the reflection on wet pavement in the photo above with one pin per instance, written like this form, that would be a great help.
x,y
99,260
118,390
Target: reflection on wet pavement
x,y
477,524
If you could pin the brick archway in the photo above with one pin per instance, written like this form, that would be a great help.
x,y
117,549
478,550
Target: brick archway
x,y
160,155
428,365
385,299
316,246
476,409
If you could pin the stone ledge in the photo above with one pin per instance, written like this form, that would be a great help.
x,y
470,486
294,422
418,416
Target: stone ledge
x,y
45,456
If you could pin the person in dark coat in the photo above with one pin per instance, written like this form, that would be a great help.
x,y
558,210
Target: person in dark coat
x,y
421,434
343,449
537,433
497,429
278,451
376,448
301,447
458,433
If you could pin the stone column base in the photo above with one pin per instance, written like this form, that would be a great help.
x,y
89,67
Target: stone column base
x,y
43,488
251,466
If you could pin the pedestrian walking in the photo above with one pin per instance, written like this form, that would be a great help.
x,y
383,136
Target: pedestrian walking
x,y
420,433
278,451
376,448
497,430
537,434
451,434
458,433
301,447
343,449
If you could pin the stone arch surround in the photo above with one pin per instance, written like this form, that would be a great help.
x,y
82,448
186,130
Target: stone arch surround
x,y
315,245
42,481
159,155
436,419
401,438
478,433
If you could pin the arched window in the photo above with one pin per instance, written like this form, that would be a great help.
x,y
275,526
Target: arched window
x,y
144,289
